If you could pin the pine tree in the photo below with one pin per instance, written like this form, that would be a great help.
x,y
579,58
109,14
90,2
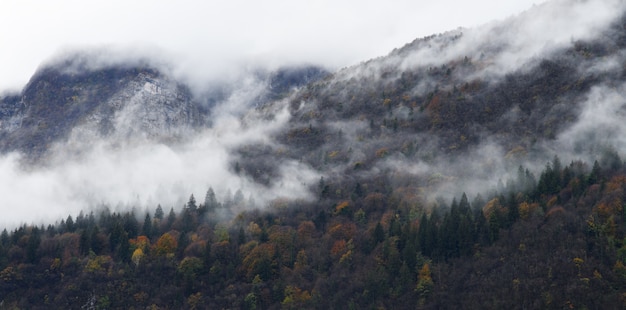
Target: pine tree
x,y
191,204
594,176
116,236
158,214
210,202
131,225
239,198
171,217
84,242
146,230
4,237
97,244
69,224
33,245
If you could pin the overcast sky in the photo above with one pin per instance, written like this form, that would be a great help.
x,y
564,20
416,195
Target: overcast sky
x,y
214,36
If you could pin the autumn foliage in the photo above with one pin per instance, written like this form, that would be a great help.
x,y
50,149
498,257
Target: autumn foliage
x,y
374,246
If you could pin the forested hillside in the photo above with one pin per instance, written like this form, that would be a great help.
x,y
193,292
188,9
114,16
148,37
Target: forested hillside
x,y
555,240
475,169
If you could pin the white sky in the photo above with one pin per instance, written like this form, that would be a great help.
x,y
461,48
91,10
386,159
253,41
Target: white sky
x,y
209,37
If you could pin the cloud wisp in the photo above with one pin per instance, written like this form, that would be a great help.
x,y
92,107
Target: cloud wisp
x,y
506,46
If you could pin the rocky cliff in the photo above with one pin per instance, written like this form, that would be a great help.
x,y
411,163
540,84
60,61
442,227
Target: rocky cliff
x,y
82,105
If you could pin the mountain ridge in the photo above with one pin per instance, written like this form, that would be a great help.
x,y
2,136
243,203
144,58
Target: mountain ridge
x,y
522,111
72,101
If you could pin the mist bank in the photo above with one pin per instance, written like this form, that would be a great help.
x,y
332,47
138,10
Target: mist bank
x,y
141,176
458,112
463,110
119,127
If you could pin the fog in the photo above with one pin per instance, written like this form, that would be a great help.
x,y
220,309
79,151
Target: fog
x,y
505,46
141,173
515,45
600,125
88,172
210,39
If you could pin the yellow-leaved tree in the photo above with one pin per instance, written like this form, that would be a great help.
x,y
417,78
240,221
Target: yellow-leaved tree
x,y
425,282
137,256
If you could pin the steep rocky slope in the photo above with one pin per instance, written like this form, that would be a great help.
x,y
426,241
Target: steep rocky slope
x,y
83,105
76,102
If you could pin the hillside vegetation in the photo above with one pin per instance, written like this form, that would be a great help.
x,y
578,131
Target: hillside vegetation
x,y
437,177
552,241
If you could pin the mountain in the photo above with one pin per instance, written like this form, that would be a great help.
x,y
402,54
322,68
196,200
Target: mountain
x,y
476,169
75,102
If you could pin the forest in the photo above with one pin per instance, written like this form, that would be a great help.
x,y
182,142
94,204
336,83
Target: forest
x,y
395,162
555,240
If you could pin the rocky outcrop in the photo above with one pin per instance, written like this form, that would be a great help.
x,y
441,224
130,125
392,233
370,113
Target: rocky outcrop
x,y
149,106
80,107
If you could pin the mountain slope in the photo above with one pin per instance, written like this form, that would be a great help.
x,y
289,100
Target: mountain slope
x,y
77,101
466,109
60,103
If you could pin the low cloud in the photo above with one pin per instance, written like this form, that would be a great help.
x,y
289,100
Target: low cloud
x,y
141,173
505,46
600,124
209,39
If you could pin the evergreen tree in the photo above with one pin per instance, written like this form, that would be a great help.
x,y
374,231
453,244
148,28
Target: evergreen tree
x,y
188,221
131,225
513,210
358,191
422,233
84,242
81,221
409,254
378,235
171,217
228,200
4,237
432,235
494,226
481,230
123,250
556,166
51,230
69,224
158,214
464,206
33,245
241,237
97,245
116,236
239,198
210,202
191,204
594,176
146,230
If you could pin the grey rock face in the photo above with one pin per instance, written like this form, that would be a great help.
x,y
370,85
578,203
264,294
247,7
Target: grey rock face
x,y
147,107
81,107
